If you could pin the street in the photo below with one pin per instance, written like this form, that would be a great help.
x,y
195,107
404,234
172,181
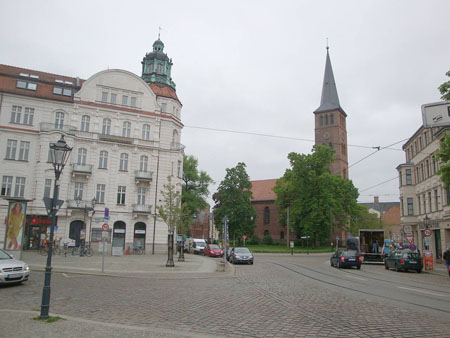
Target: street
x,y
278,296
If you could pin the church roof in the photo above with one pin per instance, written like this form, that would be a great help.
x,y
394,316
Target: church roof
x,y
330,99
262,190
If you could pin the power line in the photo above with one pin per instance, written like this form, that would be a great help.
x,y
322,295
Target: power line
x,y
376,185
378,149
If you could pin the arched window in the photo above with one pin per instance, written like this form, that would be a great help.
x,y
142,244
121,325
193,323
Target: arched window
x,y
331,119
126,130
106,129
266,216
175,136
123,162
150,68
266,233
103,160
85,119
282,235
146,132
59,120
143,163
321,120
82,154
326,119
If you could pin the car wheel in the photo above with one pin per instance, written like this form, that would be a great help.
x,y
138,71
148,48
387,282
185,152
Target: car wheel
x,y
339,265
251,263
358,267
397,268
331,263
419,270
386,266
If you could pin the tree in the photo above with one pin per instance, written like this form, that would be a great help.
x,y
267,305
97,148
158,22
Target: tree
x,y
195,186
233,200
444,88
312,193
364,220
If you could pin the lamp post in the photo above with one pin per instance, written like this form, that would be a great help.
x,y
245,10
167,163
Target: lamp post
x,y
86,210
60,152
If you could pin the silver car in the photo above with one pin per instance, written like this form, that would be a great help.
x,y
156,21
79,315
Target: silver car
x,y
12,270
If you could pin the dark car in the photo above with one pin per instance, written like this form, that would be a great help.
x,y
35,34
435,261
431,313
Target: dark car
x,y
241,255
346,258
229,251
212,250
404,260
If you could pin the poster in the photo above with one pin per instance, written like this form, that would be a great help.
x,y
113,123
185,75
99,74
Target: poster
x,y
15,225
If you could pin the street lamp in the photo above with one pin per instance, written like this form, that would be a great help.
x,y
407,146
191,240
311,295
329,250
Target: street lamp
x,y
59,152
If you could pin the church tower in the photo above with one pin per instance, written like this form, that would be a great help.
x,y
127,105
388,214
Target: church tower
x,y
330,122
157,67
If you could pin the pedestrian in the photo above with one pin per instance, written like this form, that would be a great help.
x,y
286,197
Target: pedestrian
x,y
375,247
447,259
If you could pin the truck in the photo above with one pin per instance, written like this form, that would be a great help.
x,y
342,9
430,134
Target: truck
x,y
371,242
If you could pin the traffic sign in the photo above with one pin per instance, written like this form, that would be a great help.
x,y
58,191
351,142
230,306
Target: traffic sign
x,y
427,232
436,114
412,247
244,236
105,227
410,238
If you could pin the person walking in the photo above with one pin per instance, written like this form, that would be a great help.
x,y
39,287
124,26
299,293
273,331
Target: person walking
x,y
447,259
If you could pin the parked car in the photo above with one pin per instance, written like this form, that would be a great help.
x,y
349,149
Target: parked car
x,y
404,260
241,255
198,245
12,270
212,250
346,258
229,251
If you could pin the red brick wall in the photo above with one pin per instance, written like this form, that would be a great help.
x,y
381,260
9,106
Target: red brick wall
x,y
273,226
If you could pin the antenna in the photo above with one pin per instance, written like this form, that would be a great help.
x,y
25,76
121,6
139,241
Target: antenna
x,y
159,33
327,45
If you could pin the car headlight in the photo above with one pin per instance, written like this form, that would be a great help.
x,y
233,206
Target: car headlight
x,y
26,268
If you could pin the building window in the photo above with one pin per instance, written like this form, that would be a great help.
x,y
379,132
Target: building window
x,y
400,177
123,162
436,199
113,98
121,194
266,216
20,187
82,154
415,147
448,196
321,120
159,68
16,114
150,67
106,129
434,164
24,150
104,96
179,169
6,185
425,137
428,168
78,192
424,204
331,119
175,137
100,193
124,100
266,233
326,119
126,130
28,116
402,206
163,107
417,175
62,91
11,147
133,101
420,143
408,176
143,163
47,187
422,171
59,120
146,132
410,207
26,85
281,234
429,201
141,196
103,160
85,120
420,205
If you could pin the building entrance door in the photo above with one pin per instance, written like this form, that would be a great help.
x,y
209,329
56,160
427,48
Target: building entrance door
x,y
118,241
139,236
437,243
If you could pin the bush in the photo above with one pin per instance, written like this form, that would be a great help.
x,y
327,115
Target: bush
x,y
268,239
253,240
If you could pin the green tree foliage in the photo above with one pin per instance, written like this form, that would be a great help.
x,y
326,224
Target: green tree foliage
x,y
364,219
311,193
172,212
444,88
444,155
195,186
233,200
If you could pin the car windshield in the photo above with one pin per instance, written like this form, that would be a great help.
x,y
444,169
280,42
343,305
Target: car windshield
x,y
242,250
214,246
4,255
411,255
350,253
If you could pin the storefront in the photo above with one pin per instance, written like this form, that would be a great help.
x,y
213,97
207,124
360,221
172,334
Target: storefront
x,y
139,235
37,231
118,241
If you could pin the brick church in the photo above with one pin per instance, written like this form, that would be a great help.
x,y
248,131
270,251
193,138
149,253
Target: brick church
x,y
330,129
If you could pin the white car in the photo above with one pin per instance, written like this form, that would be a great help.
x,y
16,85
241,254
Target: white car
x,y
12,270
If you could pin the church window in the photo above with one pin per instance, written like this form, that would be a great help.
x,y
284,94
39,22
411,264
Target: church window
x,y
266,216
326,119
321,120
159,68
331,119
266,233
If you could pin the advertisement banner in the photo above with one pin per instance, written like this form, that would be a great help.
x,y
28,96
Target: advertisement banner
x,y
14,226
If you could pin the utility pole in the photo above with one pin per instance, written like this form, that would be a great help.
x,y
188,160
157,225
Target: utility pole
x,y
287,224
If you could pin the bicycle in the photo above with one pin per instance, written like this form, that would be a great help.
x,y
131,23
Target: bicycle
x,y
138,251
86,251
43,249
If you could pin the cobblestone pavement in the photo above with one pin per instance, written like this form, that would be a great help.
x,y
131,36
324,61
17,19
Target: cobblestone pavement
x,y
263,300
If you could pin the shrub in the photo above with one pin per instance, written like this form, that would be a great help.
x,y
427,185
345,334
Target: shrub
x,y
253,240
268,239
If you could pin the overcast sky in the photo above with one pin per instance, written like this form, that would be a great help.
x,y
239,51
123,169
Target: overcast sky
x,y
257,67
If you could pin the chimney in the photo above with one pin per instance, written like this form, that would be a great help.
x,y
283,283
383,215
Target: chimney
x,y
376,200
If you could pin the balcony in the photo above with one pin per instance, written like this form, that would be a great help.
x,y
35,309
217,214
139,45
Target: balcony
x,y
115,139
142,209
81,169
177,146
46,126
146,176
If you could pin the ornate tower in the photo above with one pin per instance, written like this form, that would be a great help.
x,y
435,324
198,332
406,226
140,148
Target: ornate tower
x,y
157,67
330,122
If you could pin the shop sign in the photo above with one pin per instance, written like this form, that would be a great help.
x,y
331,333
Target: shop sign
x,y
139,231
119,231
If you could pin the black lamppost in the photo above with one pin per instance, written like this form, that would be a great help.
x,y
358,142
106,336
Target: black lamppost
x,y
60,152
86,210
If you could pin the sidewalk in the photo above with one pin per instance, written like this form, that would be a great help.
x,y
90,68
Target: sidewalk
x,y
126,266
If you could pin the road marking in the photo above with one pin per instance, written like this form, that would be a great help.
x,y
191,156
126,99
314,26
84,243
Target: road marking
x,y
356,277
417,290
65,275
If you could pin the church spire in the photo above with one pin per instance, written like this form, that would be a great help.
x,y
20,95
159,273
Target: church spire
x,y
330,99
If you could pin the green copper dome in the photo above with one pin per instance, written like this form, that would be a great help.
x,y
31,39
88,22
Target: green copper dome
x,y
157,66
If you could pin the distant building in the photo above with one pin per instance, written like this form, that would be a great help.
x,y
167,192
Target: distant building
x,y
125,133
424,201
389,216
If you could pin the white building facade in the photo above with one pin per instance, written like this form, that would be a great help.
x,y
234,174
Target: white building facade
x,y
424,202
125,133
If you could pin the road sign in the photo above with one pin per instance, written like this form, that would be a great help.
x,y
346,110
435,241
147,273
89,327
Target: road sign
x,y
410,238
106,216
427,241
105,227
244,236
412,247
436,114
427,232
291,244
105,234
